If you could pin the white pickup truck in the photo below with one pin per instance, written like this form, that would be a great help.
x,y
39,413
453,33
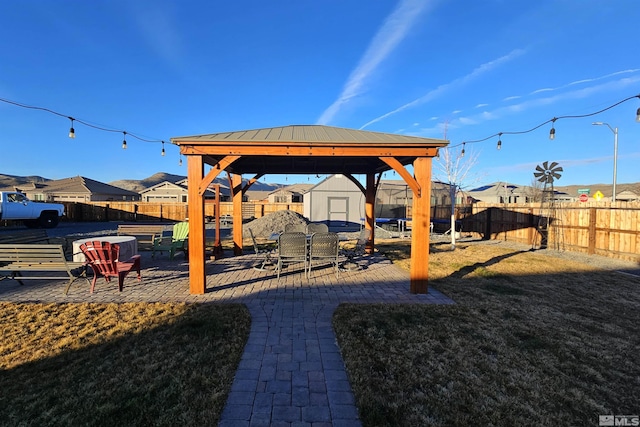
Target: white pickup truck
x,y
16,206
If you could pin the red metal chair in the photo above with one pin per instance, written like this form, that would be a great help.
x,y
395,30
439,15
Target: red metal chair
x,y
103,259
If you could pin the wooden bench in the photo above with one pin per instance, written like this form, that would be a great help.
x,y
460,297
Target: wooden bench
x,y
144,233
41,259
25,236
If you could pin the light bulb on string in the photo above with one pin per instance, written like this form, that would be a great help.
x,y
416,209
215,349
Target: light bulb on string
x,y
638,115
162,153
462,152
180,160
499,146
72,132
124,141
552,132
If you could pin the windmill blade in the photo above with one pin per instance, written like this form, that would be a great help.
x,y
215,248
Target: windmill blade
x,y
553,165
558,169
539,169
542,179
555,175
538,174
545,165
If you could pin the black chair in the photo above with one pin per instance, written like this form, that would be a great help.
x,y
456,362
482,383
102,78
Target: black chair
x,y
324,248
357,251
292,248
264,252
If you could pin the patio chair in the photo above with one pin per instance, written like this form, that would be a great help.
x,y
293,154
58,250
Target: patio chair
x,y
292,248
264,252
323,248
357,251
176,242
295,228
102,257
317,227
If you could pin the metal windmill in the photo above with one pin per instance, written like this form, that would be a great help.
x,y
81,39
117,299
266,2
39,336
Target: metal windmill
x,y
547,173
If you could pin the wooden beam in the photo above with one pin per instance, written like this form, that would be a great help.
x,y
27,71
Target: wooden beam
x,y
197,277
214,172
397,166
292,149
420,225
236,188
369,211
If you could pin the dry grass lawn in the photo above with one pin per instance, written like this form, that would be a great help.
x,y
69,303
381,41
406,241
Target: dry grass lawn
x,y
118,364
532,340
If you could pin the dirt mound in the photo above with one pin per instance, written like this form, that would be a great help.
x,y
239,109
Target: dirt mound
x,y
273,223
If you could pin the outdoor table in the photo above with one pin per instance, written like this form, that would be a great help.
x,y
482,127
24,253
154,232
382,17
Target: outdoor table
x,y
128,246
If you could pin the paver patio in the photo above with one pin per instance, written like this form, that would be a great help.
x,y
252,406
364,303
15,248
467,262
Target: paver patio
x,y
291,371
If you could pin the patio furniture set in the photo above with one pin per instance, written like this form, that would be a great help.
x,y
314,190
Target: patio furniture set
x,y
308,245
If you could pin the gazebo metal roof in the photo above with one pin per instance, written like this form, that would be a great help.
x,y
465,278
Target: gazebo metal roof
x,y
308,149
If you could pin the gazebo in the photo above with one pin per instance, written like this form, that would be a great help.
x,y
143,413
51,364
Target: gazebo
x,y
302,150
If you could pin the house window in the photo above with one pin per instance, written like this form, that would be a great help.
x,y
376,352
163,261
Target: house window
x,y
183,197
280,199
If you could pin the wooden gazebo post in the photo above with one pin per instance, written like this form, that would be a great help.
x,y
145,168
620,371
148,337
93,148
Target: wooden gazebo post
x,y
195,174
421,221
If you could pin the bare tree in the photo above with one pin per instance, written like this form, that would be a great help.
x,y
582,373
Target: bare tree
x,y
534,191
453,167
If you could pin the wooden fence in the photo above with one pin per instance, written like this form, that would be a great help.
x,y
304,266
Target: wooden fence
x,y
600,228
593,227
151,212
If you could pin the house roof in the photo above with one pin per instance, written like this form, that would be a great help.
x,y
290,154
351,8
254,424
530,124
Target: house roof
x,y
82,185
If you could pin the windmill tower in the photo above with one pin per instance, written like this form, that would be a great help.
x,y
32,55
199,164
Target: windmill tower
x,y
547,173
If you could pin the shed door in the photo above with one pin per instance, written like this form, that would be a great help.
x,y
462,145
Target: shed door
x,y
338,211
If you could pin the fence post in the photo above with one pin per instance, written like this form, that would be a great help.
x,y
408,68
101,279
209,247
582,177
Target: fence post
x,y
592,231
487,225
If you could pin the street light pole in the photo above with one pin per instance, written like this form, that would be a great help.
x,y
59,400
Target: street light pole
x,y
615,155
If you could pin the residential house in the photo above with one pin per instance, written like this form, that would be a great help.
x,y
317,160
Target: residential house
x,y
289,194
169,192
77,189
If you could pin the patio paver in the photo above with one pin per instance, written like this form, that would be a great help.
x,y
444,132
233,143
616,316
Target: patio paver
x,y
291,371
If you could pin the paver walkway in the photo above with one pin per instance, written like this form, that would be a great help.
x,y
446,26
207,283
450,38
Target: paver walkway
x,y
291,371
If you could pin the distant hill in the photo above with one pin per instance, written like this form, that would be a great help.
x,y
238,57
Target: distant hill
x,y
13,180
139,185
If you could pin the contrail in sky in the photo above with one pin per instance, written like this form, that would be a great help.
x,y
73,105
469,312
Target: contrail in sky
x,y
484,68
393,31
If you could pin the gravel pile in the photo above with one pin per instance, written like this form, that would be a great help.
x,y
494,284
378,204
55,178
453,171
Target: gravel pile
x,y
273,223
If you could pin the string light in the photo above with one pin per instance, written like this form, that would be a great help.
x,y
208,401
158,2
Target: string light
x,y
552,132
499,141
124,140
180,161
462,152
72,132
162,153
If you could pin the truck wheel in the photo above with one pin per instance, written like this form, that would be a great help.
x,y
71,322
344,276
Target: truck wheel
x,y
48,220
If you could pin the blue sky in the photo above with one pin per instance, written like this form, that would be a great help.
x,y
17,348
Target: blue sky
x,y
462,68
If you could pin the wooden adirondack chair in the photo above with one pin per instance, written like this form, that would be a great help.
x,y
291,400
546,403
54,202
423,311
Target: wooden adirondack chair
x,y
102,257
176,242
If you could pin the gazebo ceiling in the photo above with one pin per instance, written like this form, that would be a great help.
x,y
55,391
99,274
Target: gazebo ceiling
x,y
307,149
